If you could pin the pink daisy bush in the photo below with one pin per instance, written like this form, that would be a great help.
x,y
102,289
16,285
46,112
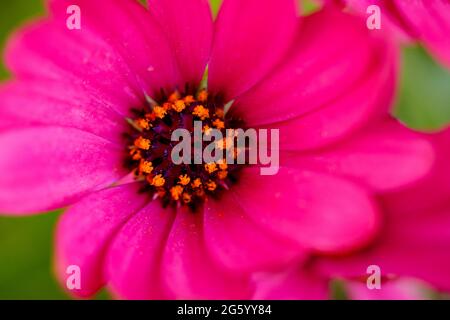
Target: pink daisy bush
x,y
86,122
411,250
427,21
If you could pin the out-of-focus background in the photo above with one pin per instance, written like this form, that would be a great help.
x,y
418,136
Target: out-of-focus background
x,y
26,244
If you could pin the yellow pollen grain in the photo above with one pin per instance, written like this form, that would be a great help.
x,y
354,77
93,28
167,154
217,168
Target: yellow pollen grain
x,y
189,99
211,185
142,143
135,154
222,175
179,106
196,183
202,96
159,112
201,112
220,113
166,106
145,167
150,116
219,124
174,97
187,197
210,167
143,124
158,181
223,165
184,180
176,192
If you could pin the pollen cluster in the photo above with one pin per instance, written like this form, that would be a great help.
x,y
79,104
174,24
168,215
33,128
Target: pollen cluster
x,y
150,147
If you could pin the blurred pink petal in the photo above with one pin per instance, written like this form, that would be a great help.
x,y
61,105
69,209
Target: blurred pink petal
x,y
189,27
295,284
250,39
399,289
55,104
384,157
326,66
318,211
134,257
239,243
189,272
45,168
86,230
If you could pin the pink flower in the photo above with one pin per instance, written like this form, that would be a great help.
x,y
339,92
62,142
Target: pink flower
x,y
412,248
427,21
325,81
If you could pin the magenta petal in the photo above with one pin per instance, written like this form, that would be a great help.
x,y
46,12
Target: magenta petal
x,y
250,39
399,289
44,168
134,257
238,243
119,54
189,272
188,25
385,156
92,68
293,284
430,192
28,103
430,22
411,246
317,211
133,33
329,84
86,230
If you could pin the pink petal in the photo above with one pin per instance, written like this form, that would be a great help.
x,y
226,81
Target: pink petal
x,y
430,192
317,211
120,54
293,284
411,246
430,21
391,19
188,25
92,68
129,28
86,230
134,257
325,75
188,271
250,39
30,103
400,289
44,168
321,68
238,243
384,157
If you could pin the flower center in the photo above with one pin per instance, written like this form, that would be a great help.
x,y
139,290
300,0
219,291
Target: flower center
x,y
149,153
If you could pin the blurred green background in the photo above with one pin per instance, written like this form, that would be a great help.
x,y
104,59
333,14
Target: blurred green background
x,y
26,243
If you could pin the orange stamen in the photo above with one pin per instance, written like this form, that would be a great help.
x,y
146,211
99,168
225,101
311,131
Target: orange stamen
x,y
142,143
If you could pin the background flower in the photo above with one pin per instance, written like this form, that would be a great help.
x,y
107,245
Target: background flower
x,y
427,21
